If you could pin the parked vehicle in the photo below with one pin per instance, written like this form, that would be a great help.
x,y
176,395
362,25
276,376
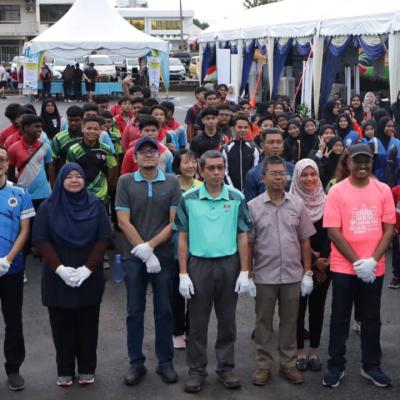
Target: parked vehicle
x,y
103,63
184,56
177,70
59,65
194,67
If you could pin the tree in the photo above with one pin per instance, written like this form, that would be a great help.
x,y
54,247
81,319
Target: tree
x,y
256,3
201,25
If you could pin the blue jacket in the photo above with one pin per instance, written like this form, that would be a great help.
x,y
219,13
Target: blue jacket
x,y
350,138
254,185
381,157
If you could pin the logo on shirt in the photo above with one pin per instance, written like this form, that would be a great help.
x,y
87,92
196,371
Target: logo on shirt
x,y
364,220
12,202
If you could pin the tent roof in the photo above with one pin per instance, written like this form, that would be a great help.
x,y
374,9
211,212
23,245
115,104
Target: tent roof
x,y
329,18
88,26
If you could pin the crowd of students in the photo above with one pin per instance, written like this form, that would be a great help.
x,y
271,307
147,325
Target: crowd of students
x,y
230,201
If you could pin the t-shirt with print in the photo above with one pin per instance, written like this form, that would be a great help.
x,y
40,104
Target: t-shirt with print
x,y
15,205
95,162
32,175
61,144
359,213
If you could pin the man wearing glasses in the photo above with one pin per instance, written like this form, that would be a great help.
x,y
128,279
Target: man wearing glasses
x,y
280,251
146,202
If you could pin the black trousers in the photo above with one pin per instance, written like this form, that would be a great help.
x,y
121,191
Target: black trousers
x,y
367,299
316,309
11,296
75,333
78,90
181,315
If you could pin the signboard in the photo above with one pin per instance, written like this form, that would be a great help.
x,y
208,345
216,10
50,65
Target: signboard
x,y
154,71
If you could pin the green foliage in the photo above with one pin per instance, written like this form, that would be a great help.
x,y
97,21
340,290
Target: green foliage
x,y
256,3
303,110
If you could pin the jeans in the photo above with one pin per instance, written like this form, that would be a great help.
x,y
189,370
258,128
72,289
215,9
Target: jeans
x,y
367,299
136,280
11,296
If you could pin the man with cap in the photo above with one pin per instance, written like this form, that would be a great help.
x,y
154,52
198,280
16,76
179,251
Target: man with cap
x,y
146,202
360,217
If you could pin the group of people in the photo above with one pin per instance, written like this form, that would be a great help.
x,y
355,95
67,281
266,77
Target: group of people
x,y
271,204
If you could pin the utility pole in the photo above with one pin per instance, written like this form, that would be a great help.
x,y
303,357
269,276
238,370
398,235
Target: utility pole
x,y
181,18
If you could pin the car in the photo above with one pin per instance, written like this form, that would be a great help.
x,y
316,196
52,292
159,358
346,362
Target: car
x,y
177,70
103,64
184,56
194,67
132,65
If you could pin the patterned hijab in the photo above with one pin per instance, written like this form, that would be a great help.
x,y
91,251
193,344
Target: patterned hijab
x,y
315,201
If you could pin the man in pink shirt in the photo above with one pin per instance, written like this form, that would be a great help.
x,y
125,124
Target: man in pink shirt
x,y
360,217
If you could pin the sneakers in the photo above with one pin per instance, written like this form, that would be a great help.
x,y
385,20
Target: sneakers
x,y
179,342
86,379
64,381
195,383
394,283
16,382
332,378
376,376
135,375
25,278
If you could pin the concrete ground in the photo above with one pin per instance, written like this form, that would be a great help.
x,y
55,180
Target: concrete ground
x,y
39,368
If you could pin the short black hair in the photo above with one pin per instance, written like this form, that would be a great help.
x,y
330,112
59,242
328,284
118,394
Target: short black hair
x,y
106,114
29,119
135,88
12,111
272,160
74,111
208,111
26,111
101,98
212,93
262,119
269,131
200,89
90,107
169,105
210,154
222,85
150,102
4,149
158,107
30,107
148,120
138,100
225,106
125,98
243,102
92,118
176,163
240,117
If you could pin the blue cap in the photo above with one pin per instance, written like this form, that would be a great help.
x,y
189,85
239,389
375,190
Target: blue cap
x,y
146,140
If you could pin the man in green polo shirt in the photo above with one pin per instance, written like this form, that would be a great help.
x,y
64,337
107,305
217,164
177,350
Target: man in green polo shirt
x,y
95,158
213,222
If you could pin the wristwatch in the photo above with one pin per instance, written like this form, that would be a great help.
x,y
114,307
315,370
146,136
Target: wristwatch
x,y
309,273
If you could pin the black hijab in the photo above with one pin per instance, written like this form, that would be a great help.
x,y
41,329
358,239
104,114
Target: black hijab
x,y
359,111
381,135
72,216
327,113
342,132
51,123
369,122
308,142
395,107
333,159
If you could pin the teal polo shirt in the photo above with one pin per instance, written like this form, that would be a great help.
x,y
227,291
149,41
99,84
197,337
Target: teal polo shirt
x,y
213,223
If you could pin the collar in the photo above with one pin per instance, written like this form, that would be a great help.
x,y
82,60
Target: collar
x,y
203,193
267,199
159,178
27,146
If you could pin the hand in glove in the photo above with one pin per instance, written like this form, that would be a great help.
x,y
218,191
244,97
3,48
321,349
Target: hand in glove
x,y
242,282
252,288
186,288
68,275
143,251
4,265
307,285
365,269
82,273
153,265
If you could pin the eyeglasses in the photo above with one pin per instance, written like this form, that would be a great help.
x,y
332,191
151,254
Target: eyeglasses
x,y
275,174
3,159
147,152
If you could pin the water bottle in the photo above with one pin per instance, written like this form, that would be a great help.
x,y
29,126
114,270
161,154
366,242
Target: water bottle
x,y
119,272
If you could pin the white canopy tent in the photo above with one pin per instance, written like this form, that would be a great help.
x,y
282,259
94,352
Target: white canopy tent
x,y
91,25
318,18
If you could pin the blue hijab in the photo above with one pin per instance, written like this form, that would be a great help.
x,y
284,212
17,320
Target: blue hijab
x,y
72,216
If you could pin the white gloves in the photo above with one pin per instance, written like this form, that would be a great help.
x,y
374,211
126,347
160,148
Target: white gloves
x,y
142,251
186,288
81,274
252,289
68,275
307,285
242,282
153,265
365,269
4,265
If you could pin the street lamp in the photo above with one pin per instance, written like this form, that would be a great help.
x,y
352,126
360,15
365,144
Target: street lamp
x,y
181,18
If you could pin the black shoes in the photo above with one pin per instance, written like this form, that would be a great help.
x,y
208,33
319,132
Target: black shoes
x,y
16,382
195,383
167,373
135,375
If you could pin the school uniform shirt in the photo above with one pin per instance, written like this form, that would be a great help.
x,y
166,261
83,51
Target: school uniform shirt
x,y
15,205
61,144
95,162
31,176
9,131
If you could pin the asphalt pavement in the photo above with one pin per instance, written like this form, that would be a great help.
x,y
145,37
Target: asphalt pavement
x,y
39,368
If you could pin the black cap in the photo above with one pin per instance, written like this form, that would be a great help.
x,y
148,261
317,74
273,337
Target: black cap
x,y
361,148
145,140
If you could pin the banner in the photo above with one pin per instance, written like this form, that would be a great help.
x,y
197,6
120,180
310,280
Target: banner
x,y
31,66
154,70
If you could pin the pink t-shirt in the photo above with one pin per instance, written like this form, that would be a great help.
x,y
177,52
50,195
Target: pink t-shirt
x,y
360,214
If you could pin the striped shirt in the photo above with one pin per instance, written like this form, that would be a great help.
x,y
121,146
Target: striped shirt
x,y
61,144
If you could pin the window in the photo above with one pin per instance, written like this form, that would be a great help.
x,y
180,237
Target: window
x,y
165,25
138,23
8,52
10,14
50,14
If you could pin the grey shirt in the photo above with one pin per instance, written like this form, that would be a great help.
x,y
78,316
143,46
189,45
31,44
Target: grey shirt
x,y
277,231
149,204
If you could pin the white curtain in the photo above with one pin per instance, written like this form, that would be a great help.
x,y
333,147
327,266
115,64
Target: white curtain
x,y
318,52
237,65
270,59
394,65
306,87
